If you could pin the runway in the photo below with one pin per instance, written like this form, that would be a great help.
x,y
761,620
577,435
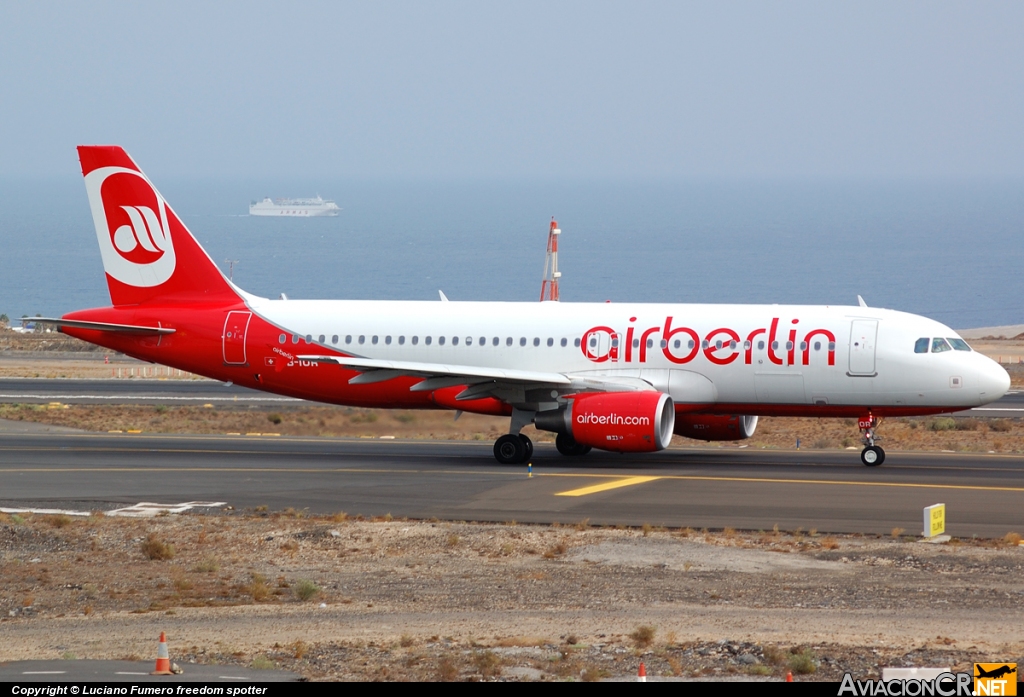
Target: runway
x,y
829,491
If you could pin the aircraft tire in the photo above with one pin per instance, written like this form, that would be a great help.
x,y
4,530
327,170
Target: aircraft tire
x,y
509,449
529,447
872,456
568,446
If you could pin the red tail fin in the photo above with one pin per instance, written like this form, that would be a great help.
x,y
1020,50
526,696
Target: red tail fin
x,y
148,253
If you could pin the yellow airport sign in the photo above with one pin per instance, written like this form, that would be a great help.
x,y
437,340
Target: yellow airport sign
x,y
935,520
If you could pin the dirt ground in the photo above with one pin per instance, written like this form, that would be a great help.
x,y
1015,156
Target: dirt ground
x,y
336,598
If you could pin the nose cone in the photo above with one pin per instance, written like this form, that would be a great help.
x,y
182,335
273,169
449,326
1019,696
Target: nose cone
x,y
993,381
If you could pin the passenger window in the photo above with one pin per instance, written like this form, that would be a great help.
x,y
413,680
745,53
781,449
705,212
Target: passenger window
x,y
483,341
677,343
746,345
959,344
401,341
348,338
564,342
309,338
775,345
831,346
508,341
704,344
789,345
295,338
362,339
536,341
426,340
576,342
663,343
455,341
551,342
817,345
803,345
322,337
387,340
415,340
732,345
375,339
690,344
469,341
615,341
650,343
495,341
636,343
760,346
921,345
522,341
440,341
593,342
334,339
939,345
718,344
281,339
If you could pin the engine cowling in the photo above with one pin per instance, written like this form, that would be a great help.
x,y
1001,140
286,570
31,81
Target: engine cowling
x,y
627,422
714,427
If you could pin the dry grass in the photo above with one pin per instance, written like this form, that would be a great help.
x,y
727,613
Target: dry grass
x,y
156,549
830,543
306,590
643,636
1012,538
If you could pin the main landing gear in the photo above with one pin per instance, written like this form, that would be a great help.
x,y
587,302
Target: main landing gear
x,y
513,449
872,455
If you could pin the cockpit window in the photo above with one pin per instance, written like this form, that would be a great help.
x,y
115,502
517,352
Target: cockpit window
x,y
959,344
921,345
939,345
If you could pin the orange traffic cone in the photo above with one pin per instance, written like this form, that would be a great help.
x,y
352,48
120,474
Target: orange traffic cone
x,y
641,675
789,676
163,660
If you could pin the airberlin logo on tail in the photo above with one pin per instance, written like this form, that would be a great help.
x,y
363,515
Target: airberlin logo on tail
x,y
131,225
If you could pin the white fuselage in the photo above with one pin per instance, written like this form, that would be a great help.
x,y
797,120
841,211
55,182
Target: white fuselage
x,y
818,356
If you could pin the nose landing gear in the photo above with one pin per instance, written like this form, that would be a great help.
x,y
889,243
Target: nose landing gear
x,y
872,455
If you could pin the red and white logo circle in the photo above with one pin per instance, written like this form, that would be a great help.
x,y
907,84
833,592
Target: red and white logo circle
x,y
131,225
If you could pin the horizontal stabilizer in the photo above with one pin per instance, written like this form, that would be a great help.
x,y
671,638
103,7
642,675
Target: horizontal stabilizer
x,y
101,326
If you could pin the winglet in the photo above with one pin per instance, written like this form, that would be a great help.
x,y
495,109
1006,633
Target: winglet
x,y
444,298
860,301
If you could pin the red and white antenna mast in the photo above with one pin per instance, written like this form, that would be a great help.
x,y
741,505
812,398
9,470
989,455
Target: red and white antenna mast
x,y
549,286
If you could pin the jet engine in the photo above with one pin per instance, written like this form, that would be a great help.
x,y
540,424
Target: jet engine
x,y
713,427
627,422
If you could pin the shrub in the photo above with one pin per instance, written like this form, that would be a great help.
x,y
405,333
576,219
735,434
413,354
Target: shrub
x,y
306,590
802,661
943,424
487,664
58,521
446,669
261,662
643,635
258,588
274,418
969,424
157,550
1012,538
1000,425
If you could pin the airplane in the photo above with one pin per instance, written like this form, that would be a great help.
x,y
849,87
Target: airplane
x,y
620,377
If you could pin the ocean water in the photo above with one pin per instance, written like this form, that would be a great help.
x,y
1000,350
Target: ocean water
x,y
949,250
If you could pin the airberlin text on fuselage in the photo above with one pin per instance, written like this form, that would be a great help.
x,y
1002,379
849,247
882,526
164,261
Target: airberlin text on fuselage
x,y
721,346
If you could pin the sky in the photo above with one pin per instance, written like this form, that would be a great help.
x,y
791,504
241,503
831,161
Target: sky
x,y
525,90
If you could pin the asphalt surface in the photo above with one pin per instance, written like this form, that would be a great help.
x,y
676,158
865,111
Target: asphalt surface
x,y
701,487
150,391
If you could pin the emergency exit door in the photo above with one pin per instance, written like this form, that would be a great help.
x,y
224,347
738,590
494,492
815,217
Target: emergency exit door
x,y
235,328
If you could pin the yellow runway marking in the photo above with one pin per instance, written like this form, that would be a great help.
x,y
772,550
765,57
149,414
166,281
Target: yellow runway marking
x,y
617,484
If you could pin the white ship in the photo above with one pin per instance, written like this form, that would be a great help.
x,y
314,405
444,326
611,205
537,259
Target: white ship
x,y
302,207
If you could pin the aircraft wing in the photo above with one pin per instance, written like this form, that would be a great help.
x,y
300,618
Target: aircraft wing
x,y
481,381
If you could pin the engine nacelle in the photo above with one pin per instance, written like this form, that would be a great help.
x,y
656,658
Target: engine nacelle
x,y
626,422
713,427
